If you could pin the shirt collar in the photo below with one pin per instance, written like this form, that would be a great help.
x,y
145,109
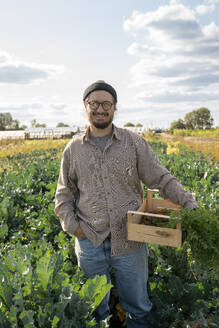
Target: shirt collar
x,y
85,135
116,132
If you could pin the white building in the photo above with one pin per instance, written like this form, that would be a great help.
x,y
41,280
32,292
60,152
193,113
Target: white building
x,y
136,129
40,133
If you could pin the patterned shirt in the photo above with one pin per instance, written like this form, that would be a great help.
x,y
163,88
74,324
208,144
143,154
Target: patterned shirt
x,y
96,189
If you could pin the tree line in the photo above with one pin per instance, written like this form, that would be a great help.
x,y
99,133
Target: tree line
x,y
199,119
7,123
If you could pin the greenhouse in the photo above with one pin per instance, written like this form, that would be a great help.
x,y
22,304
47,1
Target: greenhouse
x,y
40,133
12,134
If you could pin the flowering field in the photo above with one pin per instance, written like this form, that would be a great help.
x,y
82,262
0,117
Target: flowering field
x,y
212,133
40,284
9,147
206,141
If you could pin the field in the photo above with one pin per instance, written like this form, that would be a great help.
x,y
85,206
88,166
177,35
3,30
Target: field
x,y
40,284
11,147
206,141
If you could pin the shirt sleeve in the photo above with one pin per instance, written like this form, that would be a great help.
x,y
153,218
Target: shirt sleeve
x,y
66,194
156,176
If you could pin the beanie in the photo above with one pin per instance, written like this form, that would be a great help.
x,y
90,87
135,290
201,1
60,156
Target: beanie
x,y
100,85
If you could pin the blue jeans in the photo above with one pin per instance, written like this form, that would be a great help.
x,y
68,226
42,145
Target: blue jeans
x,y
131,274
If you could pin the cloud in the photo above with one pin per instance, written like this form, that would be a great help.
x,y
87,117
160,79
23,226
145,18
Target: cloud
x,y
164,19
7,107
44,112
3,57
205,9
18,72
176,56
58,106
212,1
176,97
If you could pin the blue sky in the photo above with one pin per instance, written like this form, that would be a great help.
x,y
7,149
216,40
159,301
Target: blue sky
x,y
161,56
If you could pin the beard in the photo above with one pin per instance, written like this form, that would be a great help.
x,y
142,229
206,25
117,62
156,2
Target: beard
x,y
102,125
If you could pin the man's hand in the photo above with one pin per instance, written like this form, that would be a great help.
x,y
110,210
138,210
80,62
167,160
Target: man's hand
x,y
79,233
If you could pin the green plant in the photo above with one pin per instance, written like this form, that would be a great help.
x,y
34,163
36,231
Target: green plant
x,y
35,291
40,284
201,233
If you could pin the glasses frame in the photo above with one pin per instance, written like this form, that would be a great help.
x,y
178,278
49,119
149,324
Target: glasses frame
x,y
98,103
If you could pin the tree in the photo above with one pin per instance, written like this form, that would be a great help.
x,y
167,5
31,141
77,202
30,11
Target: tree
x,y
7,122
34,124
199,119
129,124
178,124
60,125
14,125
139,125
40,125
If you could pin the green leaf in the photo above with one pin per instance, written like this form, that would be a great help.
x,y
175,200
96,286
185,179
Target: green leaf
x,y
18,300
57,267
12,316
6,290
44,271
94,290
4,322
27,318
3,230
55,322
4,205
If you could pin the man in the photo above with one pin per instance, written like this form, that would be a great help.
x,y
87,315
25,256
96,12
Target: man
x,y
100,181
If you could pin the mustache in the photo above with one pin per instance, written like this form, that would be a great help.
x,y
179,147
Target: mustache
x,y
100,114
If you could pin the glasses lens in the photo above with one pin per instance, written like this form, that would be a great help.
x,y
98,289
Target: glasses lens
x,y
106,105
93,104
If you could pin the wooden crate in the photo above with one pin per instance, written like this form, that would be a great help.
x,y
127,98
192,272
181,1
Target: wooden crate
x,y
153,208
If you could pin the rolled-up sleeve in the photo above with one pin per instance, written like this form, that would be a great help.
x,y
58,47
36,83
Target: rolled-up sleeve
x,y
66,195
155,176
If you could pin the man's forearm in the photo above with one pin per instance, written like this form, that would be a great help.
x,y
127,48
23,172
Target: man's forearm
x,y
175,192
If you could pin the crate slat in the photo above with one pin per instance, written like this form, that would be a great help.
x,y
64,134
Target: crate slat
x,y
155,235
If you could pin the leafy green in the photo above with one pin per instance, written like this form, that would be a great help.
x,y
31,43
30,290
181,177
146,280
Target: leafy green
x,y
201,230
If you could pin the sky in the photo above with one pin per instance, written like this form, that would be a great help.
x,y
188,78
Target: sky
x,y
162,57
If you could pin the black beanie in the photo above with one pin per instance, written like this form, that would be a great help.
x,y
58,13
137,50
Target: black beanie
x,y
100,85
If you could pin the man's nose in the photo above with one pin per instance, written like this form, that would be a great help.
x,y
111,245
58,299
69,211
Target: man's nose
x,y
100,108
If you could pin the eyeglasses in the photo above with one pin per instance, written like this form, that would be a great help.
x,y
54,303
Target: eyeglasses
x,y
94,105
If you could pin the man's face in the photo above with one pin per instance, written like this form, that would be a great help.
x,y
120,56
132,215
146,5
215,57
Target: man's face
x,y
100,118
